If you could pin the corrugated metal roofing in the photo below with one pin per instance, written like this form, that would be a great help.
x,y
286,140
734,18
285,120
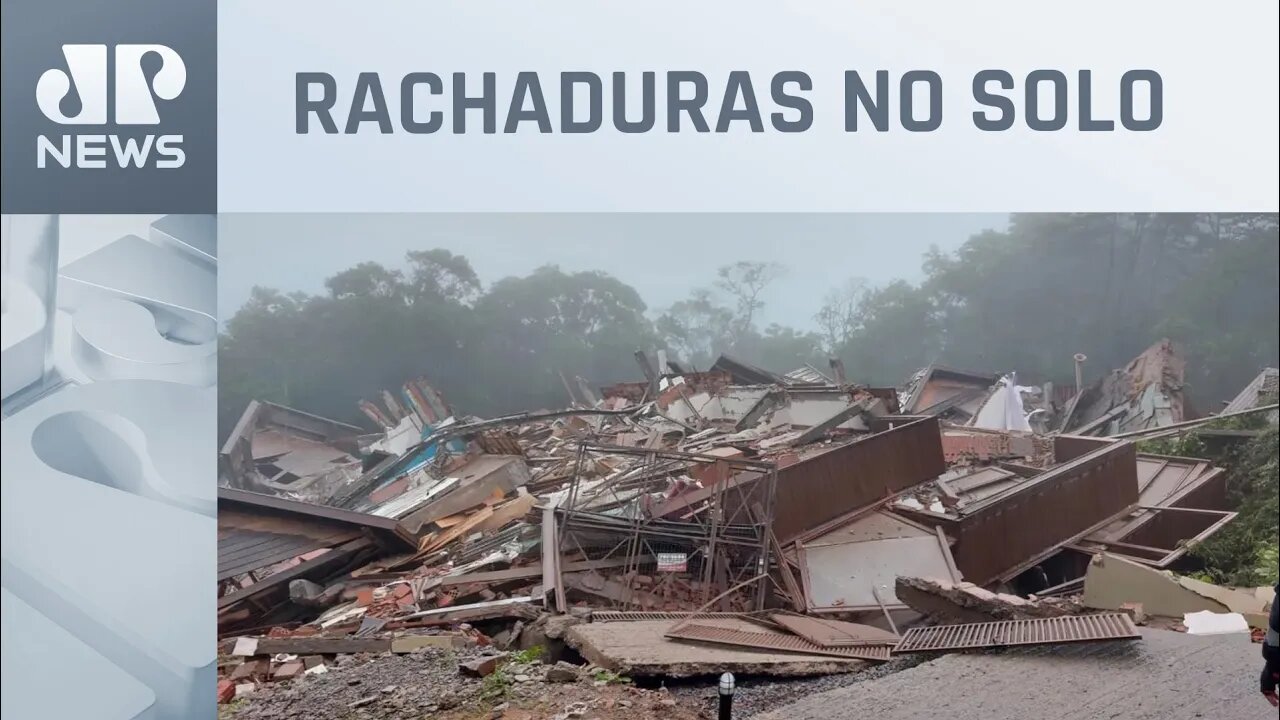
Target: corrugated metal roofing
x,y
773,642
834,633
808,375
1250,397
1039,631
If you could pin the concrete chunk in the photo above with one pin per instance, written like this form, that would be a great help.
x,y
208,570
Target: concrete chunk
x,y
638,649
1111,582
409,643
965,602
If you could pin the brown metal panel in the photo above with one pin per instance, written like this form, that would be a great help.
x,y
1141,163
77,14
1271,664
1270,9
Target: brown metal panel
x,y
1016,528
834,633
1004,633
1069,447
327,560
1163,537
824,487
270,550
257,503
603,616
773,642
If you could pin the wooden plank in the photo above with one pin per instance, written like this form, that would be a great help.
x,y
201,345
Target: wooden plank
x,y
460,530
946,554
449,521
505,513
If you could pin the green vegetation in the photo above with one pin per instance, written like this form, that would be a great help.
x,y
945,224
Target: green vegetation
x,y
1025,299
1245,552
496,686
528,656
609,677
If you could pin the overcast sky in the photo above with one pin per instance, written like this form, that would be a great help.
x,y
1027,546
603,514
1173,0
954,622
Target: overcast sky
x,y
663,256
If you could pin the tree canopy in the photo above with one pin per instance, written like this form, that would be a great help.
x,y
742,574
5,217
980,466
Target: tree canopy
x,y
1025,299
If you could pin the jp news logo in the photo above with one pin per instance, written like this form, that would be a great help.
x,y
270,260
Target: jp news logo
x,y
82,95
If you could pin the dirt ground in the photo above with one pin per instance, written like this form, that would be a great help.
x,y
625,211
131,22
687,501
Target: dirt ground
x,y
428,684
1166,676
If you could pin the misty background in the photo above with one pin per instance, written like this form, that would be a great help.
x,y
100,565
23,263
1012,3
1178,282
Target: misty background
x,y
321,310
661,256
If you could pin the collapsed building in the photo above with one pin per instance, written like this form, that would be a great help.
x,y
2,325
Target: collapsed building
x,y
732,508
1147,393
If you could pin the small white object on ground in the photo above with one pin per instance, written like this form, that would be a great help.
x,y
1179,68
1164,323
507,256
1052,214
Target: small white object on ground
x,y
1206,622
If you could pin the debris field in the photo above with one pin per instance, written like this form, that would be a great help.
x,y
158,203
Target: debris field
x,y
573,562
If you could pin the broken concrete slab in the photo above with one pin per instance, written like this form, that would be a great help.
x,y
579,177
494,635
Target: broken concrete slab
x,y
1112,581
639,649
556,625
409,643
965,602
320,645
1246,602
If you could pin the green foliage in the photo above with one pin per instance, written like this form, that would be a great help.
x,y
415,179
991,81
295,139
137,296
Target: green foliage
x,y
1244,552
1025,299
496,686
527,656
609,677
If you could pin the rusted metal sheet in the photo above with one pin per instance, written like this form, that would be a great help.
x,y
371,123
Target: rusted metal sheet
x,y
1178,529
1004,633
271,505
1012,531
824,487
634,615
244,550
1163,537
1182,500
320,566
834,633
773,642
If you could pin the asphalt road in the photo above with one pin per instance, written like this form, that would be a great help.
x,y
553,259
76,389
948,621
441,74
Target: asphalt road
x,y
1165,676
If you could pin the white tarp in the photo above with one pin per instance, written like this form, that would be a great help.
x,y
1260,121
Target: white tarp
x,y
1003,410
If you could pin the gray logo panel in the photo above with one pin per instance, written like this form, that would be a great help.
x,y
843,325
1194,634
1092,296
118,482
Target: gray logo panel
x,y
109,107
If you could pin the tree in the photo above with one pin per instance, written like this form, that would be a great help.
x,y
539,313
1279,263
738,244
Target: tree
x,y
838,318
1025,299
697,328
782,348
744,281
551,322
898,331
368,279
441,275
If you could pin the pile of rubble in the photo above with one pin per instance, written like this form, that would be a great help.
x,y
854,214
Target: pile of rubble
x,y
698,522
437,683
